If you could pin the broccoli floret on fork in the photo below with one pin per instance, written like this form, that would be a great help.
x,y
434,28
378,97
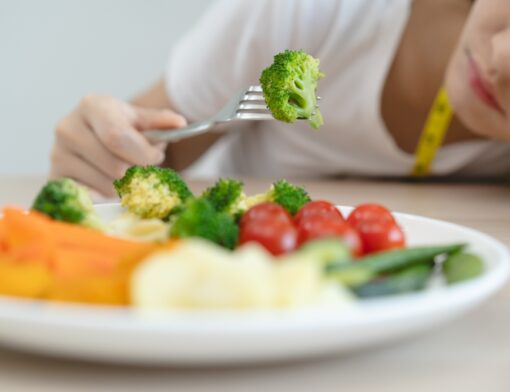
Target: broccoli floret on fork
x,y
289,86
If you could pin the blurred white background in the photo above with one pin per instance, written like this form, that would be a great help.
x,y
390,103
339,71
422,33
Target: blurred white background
x,y
52,52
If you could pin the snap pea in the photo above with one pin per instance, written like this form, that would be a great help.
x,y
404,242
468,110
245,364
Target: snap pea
x,y
363,270
413,278
462,266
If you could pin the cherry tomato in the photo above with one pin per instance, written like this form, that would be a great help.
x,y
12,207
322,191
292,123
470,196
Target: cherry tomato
x,y
322,226
318,207
380,235
276,236
369,212
265,211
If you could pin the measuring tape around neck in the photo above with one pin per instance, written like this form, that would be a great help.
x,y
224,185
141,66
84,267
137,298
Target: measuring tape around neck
x,y
432,136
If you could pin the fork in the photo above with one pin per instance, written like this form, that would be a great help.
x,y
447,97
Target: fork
x,y
246,105
249,104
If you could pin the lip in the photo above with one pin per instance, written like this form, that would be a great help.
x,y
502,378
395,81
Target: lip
x,y
480,86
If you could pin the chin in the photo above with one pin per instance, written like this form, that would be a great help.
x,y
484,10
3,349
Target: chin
x,y
480,119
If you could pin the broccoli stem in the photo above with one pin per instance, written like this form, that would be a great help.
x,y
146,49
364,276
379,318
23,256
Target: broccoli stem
x,y
304,99
316,120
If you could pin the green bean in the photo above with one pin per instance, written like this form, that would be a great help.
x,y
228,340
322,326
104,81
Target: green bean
x,y
413,278
363,270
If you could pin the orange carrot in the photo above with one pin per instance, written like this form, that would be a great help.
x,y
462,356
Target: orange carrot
x,y
30,279
28,237
3,235
82,237
70,263
93,287
66,262
34,231
91,290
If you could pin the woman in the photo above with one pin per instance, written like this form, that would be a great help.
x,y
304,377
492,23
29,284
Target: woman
x,y
384,60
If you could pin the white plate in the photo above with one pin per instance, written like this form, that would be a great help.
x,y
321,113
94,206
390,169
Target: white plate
x,y
187,338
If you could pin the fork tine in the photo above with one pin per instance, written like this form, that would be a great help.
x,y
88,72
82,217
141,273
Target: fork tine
x,y
254,89
252,105
263,110
254,94
249,105
251,115
253,97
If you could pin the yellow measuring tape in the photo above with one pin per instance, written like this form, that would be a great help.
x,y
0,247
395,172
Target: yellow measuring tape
x,y
436,126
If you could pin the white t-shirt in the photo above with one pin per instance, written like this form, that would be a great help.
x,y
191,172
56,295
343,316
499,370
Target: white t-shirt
x,y
356,41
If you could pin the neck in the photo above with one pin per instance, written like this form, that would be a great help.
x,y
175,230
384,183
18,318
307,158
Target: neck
x,y
419,67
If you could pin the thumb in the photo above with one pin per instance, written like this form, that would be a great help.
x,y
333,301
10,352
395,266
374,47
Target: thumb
x,y
158,119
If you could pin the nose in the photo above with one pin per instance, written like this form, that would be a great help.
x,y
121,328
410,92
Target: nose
x,y
500,62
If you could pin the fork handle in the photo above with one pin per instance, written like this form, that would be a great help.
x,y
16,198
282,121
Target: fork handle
x,y
174,135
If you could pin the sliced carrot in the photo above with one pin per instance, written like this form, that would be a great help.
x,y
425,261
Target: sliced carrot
x,y
28,237
111,289
29,233
71,263
68,235
61,261
3,235
91,289
29,280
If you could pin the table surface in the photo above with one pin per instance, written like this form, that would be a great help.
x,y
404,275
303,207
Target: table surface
x,y
469,354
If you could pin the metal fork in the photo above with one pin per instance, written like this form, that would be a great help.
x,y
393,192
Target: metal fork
x,y
247,105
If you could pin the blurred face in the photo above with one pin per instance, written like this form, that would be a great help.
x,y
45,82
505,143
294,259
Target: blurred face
x,y
478,76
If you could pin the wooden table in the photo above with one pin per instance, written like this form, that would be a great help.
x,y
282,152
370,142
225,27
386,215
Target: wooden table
x,y
470,354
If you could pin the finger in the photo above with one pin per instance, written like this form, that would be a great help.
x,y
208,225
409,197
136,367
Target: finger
x,y
158,119
67,164
78,138
110,121
160,145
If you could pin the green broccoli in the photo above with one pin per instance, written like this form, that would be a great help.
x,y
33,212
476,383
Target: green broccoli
x,y
290,85
65,200
151,192
289,196
198,218
227,196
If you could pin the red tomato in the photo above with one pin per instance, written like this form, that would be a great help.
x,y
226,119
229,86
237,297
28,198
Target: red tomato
x,y
276,236
266,211
322,226
380,235
318,207
369,212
